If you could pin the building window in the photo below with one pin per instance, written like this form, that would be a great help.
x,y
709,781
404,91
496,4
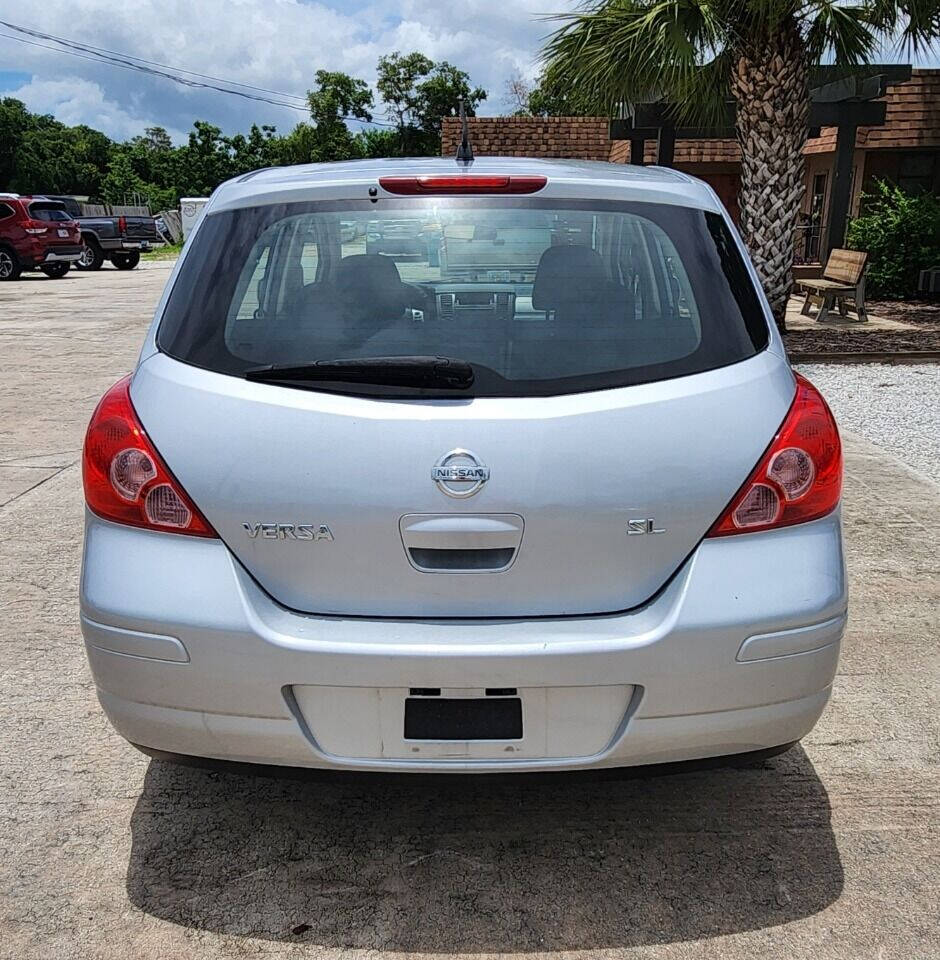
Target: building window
x,y
916,172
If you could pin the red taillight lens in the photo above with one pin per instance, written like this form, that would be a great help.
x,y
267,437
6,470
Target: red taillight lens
x,y
798,478
461,184
122,225
35,227
125,479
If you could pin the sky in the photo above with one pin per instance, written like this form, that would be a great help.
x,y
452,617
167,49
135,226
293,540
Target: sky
x,y
276,44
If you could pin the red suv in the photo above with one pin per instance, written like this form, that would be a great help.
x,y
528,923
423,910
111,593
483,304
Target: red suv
x,y
36,234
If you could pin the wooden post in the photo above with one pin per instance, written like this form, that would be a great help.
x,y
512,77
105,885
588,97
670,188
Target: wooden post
x,y
637,149
846,116
840,192
666,145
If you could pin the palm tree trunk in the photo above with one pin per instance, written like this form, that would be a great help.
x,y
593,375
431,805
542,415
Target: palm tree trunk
x,y
770,89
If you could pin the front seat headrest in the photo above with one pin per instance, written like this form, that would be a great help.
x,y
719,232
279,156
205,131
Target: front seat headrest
x,y
567,274
372,282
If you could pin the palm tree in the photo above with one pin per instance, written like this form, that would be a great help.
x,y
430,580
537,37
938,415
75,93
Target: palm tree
x,y
694,53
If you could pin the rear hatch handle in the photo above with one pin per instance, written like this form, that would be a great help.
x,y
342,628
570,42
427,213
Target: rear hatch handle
x,y
461,543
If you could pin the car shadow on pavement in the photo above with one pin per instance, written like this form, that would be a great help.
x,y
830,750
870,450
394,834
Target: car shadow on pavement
x,y
484,865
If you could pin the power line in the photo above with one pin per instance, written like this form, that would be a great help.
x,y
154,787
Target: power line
x,y
125,61
91,48
158,73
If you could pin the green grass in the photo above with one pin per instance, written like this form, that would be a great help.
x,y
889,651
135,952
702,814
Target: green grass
x,y
169,252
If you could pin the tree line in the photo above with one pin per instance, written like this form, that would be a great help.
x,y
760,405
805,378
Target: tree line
x,y
39,154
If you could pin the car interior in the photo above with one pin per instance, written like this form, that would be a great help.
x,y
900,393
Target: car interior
x,y
530,300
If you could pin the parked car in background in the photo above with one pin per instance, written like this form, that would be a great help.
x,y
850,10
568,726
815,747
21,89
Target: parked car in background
x,y
36,234
120,239
401,236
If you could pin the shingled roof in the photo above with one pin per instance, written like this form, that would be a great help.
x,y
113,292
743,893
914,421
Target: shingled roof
x,y
913,120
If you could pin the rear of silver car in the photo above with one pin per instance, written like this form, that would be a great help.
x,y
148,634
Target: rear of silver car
x,y
545,513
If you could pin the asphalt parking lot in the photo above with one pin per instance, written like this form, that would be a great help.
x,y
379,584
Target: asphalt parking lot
x,y
829,851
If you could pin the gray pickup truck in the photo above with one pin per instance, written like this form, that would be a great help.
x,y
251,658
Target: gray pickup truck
x,y
119,239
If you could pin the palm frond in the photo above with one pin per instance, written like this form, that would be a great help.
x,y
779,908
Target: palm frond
x,y
627,51
841,30
915,23
701,98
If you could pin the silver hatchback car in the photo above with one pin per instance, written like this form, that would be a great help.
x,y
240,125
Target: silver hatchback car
x,y
542,493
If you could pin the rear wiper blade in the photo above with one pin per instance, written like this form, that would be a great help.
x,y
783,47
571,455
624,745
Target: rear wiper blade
x,y
417,371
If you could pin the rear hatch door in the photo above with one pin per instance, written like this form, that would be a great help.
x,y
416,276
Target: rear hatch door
x,y
599,497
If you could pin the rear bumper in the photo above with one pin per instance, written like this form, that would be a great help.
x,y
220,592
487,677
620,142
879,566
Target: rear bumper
x,y
190,657
40,254
65,255
121,245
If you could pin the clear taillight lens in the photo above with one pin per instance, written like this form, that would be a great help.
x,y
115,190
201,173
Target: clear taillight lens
x,y
125,479
799,477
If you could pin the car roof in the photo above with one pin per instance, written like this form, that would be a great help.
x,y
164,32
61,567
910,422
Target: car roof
x,y
581,179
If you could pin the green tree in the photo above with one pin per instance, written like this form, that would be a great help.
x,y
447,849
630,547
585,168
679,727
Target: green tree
x,y
901,234
374,143
298,146
155,161
439,96
15,121
397,83
121,183
90,151
552,97
418,93
154,140
693,52
336,98
205,161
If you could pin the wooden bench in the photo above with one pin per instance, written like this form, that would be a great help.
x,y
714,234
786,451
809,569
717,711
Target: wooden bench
x,y
843,280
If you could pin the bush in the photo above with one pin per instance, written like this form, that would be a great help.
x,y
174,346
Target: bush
x,y
901,234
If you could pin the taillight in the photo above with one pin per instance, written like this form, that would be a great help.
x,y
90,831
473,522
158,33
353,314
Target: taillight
x,y
125,480
35,227
799,477
461,184
122,225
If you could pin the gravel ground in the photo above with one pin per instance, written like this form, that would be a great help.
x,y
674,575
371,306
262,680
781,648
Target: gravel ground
x,y
895,407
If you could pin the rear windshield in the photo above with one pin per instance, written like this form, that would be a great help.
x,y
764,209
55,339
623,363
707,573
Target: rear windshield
x,y
48,210
540,297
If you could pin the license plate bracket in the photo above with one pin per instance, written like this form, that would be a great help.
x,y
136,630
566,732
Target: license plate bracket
x,y
462,719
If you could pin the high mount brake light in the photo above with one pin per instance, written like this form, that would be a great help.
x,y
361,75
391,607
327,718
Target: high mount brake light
x,y
798,478
461,184
124,477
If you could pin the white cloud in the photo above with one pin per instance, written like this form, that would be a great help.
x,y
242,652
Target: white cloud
x,y
74,100
277,44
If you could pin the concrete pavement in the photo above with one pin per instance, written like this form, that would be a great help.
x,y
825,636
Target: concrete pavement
x,y
829,851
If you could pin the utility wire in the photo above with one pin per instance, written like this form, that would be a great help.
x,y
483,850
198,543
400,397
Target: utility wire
x,y
125,61
124,57
158,73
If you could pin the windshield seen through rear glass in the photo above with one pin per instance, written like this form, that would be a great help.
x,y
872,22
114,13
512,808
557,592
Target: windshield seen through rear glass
x,y
540,297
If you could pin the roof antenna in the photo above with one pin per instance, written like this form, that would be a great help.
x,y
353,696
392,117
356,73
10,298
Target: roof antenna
x,y
464,150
